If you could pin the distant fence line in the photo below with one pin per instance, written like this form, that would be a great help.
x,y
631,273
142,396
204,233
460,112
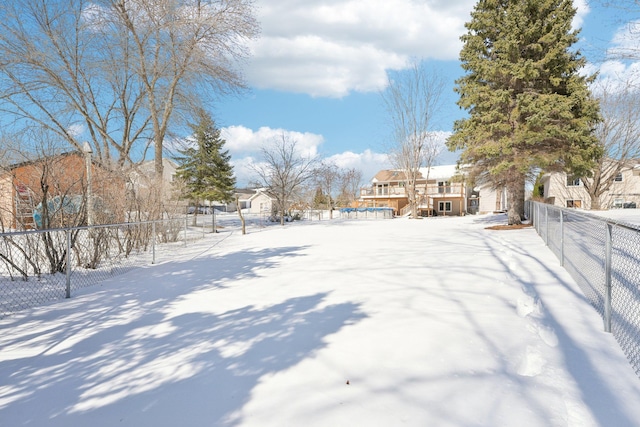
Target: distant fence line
x,y
603,257
39,266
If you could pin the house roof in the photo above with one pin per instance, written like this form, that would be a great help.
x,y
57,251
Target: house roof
x,y
434,172
440,172
389,175
260,192
245,194
44,158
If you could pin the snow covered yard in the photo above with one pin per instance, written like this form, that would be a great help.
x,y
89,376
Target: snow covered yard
x,y
434,322
632,216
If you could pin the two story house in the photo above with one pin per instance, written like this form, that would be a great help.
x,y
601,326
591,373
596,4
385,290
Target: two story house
x,y
562,190
442,190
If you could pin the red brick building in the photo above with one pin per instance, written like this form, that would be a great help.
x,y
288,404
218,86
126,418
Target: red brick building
x,y
62,181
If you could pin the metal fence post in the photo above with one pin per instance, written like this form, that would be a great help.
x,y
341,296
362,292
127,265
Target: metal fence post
x,y
534,221
546,225
68,270
607,278
153,242
561,237
186,220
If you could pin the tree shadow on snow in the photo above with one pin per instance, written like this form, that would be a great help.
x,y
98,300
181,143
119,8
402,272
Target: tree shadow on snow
x,y
595,390
123,358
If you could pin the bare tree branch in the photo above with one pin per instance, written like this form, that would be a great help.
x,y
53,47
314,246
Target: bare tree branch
x,y
283,171
412,100
118,71
618,134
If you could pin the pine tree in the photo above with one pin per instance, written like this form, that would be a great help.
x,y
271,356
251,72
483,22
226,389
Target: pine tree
x,y
205,168
528,105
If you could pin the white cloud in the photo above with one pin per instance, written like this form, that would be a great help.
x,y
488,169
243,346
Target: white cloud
x,y
243,141
625,45
76,130
617,76
330,48
245,144
622,70
582,11
245,176
368,162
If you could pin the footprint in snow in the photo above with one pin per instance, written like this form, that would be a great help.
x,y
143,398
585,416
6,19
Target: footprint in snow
x,y
532,363
527,305
548,335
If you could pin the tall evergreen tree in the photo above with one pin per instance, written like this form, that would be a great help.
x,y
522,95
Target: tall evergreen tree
x,y
528,105
205,168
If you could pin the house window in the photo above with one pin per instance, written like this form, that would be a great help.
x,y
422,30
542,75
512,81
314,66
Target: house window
x,y
618,178
574,203
617,203
444,206
444,187
382,189
572,181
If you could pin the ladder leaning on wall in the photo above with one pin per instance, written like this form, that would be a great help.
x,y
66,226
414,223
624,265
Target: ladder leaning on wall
x,y
24,207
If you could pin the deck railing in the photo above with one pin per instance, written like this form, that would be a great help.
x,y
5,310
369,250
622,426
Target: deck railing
x,y
432,190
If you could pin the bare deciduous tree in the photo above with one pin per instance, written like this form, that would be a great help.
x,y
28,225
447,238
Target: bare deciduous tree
x,y
177,45
117,69
350,180
412,99
242,220
618,134
623,15
283,171
327,177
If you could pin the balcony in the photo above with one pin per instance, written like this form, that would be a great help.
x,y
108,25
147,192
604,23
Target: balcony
x,y
382,192
432,190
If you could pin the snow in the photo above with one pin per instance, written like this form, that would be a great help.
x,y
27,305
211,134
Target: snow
x,y
631,216
445,172
434,322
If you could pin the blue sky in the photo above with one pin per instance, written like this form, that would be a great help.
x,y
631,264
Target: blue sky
x,y
318,68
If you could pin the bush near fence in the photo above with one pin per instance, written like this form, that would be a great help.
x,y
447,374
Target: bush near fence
x,y
603,257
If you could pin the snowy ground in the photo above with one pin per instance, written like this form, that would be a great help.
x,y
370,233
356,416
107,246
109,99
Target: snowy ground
x,y
631,216
434,322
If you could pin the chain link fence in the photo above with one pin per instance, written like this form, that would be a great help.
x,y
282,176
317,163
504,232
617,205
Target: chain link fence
x,y
603,257
39,266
